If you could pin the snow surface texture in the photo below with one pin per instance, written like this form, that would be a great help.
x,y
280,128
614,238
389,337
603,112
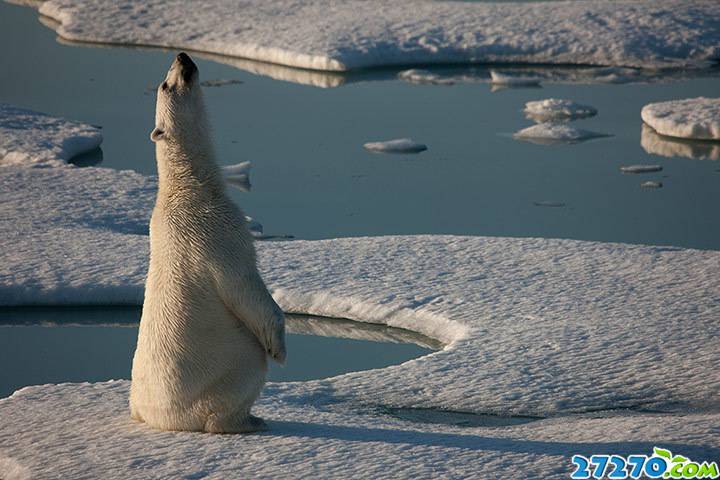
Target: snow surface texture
x,y
696,118
557,110
82,431
548,328
400,145
31,138
553,133
323,35
676,147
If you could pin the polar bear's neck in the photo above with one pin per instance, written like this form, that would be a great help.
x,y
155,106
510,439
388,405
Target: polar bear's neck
x,y
187,166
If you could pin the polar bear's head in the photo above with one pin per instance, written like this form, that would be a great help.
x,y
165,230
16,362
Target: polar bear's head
x,y
179,110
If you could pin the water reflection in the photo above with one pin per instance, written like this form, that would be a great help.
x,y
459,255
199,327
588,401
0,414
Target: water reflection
x,y
342,328
656,144
128,316
88,159
97,343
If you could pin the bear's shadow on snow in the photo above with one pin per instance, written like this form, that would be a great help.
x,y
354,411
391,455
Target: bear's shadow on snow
x,y
481,443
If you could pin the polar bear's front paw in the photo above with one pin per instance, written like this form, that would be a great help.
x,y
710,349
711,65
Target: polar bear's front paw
x,y
276,344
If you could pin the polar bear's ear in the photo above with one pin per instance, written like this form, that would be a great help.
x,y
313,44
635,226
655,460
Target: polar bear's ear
x,y
156,135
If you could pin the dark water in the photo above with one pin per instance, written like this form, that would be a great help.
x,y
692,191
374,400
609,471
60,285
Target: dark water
x,y
45,345
312,179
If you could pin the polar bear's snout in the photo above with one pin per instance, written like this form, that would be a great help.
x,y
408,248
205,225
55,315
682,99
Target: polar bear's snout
x,y
186,66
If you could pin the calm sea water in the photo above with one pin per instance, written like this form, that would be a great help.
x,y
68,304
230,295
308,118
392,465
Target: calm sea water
x,y
312,178
92,344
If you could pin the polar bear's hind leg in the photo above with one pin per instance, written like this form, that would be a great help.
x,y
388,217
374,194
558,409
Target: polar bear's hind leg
x,y
239,423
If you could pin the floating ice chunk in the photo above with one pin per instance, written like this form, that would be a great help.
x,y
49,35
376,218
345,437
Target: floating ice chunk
x,y
400,145
555,109
498,78
552,133
424,77
651,184
238,175
641,168
32,138
256,229
696,118
657,144
220,82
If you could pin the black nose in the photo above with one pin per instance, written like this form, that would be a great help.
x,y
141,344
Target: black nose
x,y
184,59
187,66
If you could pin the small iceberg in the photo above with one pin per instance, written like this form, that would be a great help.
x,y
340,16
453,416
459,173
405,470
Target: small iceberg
x,y
255,227
400,145
513,81
557,110
423,77
553,133
641,168
695,118
238,176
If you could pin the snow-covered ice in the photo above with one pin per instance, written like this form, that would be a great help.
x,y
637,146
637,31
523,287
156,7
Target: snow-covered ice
x,y
83,431
557,110
561,329
553,133
498,78
641,168
656,144
400,145
324,35
26,135
696,118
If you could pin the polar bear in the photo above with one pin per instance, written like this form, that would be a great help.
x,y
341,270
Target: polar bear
x,y
208,321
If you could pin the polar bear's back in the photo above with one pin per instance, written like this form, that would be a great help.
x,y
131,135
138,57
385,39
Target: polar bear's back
x,y
194,357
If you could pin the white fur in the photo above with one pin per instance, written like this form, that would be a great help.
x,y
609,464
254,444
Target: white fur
x,y
208,321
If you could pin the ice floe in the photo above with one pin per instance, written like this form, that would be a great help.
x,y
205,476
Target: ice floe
x,y
557,110
569,331
32,138
400,145
553,133
238,175
322,35
641,168
695,118
656,144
